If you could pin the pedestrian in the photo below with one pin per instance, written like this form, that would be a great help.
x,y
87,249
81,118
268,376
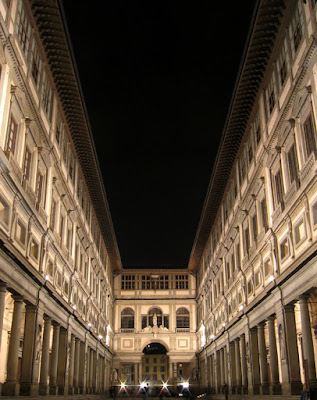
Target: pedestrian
x,y
226,391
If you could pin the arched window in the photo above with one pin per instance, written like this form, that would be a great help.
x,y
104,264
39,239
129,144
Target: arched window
x,y
182,318
127,318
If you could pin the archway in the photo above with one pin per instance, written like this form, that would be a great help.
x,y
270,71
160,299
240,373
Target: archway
x,y
155,364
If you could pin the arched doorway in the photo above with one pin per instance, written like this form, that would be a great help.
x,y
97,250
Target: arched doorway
x,y
155,364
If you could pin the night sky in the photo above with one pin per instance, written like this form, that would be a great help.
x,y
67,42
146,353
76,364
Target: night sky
x,y
157,78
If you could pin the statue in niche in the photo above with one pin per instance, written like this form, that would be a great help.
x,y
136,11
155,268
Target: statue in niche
x,y
155,319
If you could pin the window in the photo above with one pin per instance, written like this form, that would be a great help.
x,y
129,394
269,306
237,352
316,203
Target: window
x,y
250,287
264,215
59,279
166,321
34,250
146,282
47,96
246,235
237,255
4,211
66,287
279,188
163,282
299,232
69,239
61,226
27,163
254,227
314,212
292,164
11,135
182,318
296,28
127,282
282,65
268,269
257,278
53,215
181,281
23,29
50,268
20,232
39,187
270,96
36,64
284,248
127,318
309,135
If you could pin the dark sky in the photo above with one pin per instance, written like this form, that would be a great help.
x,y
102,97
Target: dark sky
x,y
157,78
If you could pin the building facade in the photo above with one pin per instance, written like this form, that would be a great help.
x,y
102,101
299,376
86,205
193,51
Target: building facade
x,y
155,307
58,251
255,249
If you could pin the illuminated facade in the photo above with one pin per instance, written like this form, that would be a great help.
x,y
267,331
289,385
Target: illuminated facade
x,y
244,312
255,249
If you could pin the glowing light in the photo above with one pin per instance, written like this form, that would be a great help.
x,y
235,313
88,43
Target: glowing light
x,y
241,307
271,278
212,337
47,278
223,324
89,325
142,385
100,337
122,386
74,307
164,385
185,385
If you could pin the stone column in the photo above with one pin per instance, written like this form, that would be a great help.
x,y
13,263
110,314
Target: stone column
x,y
294,386
308,347
238,365
43,389
91,370
10,387
221,380
244,371
254,385
82,369
31,351
263,360
54,359
218,371
275,384
3,291
225,364
76,366
62,363
233,372
71,366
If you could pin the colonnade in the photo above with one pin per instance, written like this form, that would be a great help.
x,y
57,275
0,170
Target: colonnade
x,y
54,360
270,358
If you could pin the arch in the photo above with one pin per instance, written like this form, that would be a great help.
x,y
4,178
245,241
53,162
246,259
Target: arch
x,y
127,318
182,317
160,341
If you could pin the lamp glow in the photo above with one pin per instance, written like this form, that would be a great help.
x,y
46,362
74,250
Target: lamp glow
x,y
164,385
185,385
142,385
89,325
74,307
47,277
122,386
100,337
271,278
223,324
241,307
212,337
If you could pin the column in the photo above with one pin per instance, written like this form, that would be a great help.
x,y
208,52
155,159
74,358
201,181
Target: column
x,y
31,349
82,369
10,387
238,365
233,372
225,364
244,370
91,370
218,372
62,362
221,380
76,366
275,384
295,385
71,366
54,359
3,290
308,348
263,360
43,389
254,385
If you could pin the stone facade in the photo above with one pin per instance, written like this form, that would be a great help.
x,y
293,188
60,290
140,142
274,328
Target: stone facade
x,y
257,275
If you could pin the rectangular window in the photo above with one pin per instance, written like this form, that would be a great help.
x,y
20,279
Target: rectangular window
x,y
163,282
20,232
39,187
254,227
279,188
282,65
47,96
246,240
36,64
34,250
270,96
181,281
53,215
264,214
284,248
11,135
4,211
292,164
299,232
128,282
309,135
23,29
27,163
296,28
146,282
237,254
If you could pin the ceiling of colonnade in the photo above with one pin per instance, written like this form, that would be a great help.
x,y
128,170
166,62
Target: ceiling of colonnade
x,y
157,78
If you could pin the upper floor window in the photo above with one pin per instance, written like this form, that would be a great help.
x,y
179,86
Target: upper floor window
x,y
182,318
292,164
11,135
309,135
27,163
36,64
127,318
296,28
128,282
270,96
282,65
278,188
264,215
39,187
23,29
181,281
47,96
